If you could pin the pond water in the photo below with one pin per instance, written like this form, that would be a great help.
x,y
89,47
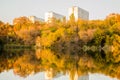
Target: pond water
x,y
51,64
41,76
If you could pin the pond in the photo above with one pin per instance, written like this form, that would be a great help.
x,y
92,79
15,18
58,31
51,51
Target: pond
x,y
54,64
41,76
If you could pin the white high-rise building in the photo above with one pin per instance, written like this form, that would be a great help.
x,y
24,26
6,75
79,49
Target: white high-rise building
x,y
78,13
33,19
50,15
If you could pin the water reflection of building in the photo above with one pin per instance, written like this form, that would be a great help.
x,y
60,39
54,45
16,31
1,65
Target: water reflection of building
x,y
84,77
49,74
75,76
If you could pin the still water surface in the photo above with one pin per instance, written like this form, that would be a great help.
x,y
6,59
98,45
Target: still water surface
x,y
51,64
41,76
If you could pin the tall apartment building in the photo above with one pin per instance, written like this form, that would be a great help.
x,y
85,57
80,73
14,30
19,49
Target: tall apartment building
x,y
33,19
50,15
78,13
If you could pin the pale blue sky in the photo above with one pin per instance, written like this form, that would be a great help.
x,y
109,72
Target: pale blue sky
x,y
98,9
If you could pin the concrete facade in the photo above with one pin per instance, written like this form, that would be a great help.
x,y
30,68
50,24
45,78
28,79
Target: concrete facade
x,y
50,15
33,19
78,13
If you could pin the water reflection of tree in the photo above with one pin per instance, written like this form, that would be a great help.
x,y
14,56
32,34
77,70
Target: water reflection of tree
x,y
67,62
7,59
27,64
93,62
